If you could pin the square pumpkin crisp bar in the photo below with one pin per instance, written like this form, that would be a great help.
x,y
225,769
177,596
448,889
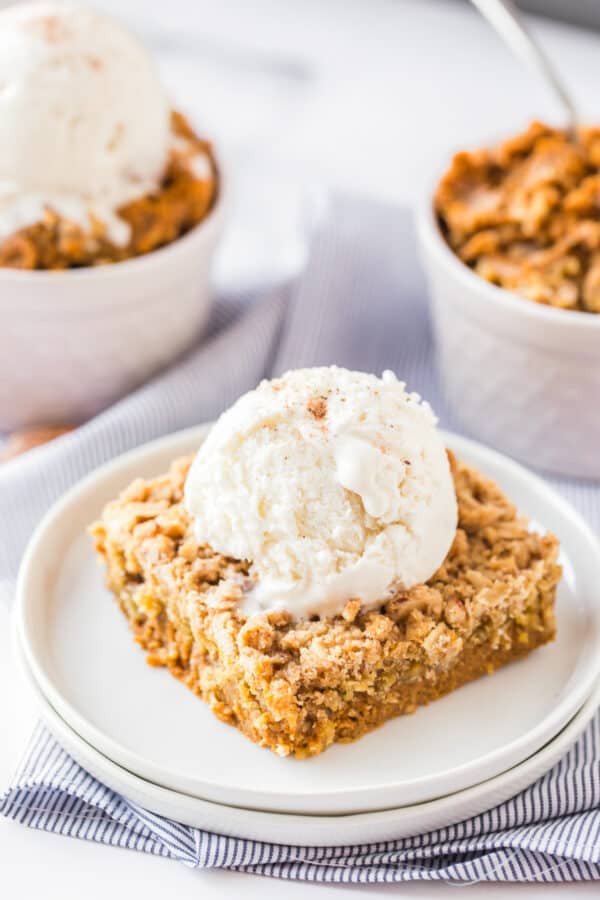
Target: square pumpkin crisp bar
x,y
297,675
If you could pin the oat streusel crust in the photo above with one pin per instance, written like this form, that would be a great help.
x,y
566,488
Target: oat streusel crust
x,y
525,215
296,687
183,201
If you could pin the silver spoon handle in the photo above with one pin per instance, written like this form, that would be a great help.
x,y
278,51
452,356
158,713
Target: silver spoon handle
x,y
506,20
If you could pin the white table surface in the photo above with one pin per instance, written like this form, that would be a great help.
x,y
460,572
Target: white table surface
x,y
369,96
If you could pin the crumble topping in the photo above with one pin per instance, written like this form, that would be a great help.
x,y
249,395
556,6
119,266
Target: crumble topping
x,y
491,579
525,215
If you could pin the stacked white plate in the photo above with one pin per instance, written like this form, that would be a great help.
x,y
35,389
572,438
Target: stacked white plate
x,y
145,735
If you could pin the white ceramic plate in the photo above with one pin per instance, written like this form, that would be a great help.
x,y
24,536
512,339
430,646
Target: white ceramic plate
x,y
78,646
312,830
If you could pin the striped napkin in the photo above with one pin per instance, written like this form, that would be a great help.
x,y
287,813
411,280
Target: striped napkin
x,y
360,302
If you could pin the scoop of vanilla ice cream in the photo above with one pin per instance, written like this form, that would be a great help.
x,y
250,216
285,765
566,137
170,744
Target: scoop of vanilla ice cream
x,y
334,485
84,120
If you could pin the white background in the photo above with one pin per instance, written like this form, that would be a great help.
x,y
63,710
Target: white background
x,y
367,95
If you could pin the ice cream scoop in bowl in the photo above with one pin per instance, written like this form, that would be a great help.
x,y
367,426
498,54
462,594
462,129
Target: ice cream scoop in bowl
x,y
110,211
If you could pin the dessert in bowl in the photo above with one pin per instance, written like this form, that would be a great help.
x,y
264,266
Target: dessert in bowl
x,y
322,565
110,210
511,247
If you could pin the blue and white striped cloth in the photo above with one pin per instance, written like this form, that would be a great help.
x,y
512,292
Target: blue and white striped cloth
x,y
360,302
548,833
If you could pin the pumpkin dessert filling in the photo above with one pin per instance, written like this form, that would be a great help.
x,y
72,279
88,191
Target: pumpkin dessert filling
x,y
297,676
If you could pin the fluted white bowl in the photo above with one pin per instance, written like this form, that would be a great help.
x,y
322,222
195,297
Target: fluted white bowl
x,y
72,342
523,377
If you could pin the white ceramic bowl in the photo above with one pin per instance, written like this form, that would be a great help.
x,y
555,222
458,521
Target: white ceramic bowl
x,y
72,342
523,377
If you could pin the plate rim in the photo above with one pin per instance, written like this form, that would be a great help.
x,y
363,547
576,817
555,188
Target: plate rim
x,y
490,764
348,827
